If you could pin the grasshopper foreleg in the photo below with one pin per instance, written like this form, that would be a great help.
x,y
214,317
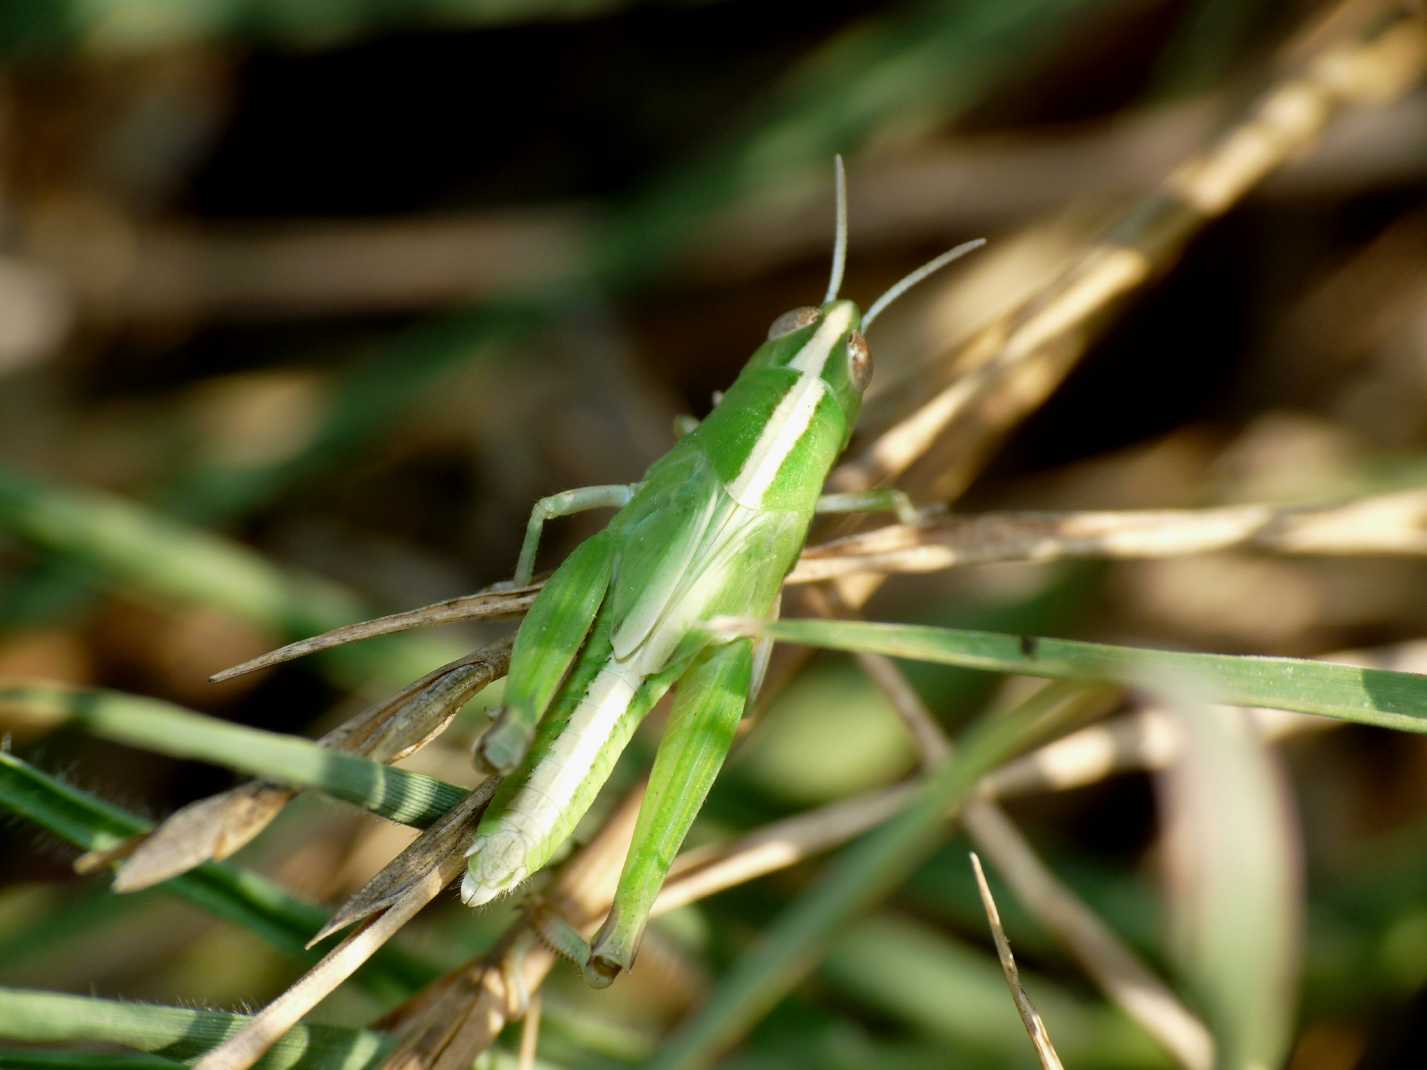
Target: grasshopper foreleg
x,y
564,504
885,500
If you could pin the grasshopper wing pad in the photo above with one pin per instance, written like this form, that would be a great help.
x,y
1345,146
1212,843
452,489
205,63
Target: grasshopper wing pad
x,y
661,531
555,628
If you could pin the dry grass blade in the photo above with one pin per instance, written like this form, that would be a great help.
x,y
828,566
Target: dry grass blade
x,y
392,730
530,1035
246,1048
1015,362
704,871
467,1009
433,850
1381,524
216,827
207,830
1035,1028
1117,970
417,887
491,604
447,1026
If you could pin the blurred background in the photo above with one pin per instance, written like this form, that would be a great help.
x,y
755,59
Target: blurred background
x,y
350,284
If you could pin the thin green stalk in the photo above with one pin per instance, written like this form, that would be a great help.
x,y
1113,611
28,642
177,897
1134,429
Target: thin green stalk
x,y
138,26
136,548
924,64
224,890
179,1033
41,1059
953,991
410,798
1378,697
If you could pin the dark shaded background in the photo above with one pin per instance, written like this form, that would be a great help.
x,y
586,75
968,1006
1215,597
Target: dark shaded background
x,y
354,283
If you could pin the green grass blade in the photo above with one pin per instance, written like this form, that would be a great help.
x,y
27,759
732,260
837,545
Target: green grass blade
x,y
179,1033
138,549
371,395
122,27
932,62
858,878
410,798
224,890
1378,697
922,65
41,1059
165,557
1235,889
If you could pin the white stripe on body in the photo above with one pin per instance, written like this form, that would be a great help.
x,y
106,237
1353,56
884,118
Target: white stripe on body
x,y
502,855
813,356
789,422
500,858
794,413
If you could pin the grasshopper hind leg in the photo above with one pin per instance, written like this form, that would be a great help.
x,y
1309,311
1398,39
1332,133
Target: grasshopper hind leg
x,y
707,709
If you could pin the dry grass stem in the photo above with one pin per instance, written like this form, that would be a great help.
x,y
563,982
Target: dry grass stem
x,y
1035,1028
439,848
930,740
451,1023
1381,524
1015,362
497,603
970,182
1120,974
211,829
453,833
1118,971
318,268
707,870
530,1035
1139,741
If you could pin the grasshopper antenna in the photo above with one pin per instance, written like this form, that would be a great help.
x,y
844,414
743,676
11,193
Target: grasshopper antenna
x,y
839,245
897,289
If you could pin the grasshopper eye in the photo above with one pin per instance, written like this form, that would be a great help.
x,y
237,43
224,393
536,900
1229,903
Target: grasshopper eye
x,y
859,360
793,320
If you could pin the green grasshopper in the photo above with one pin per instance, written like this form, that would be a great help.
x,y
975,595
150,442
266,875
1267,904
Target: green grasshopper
x,y
712,529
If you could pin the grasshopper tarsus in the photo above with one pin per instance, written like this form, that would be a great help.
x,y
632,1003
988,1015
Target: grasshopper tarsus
x,y
503,746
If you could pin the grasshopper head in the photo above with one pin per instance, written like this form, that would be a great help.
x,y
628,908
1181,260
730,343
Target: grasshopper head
x,y
825,342
828,341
